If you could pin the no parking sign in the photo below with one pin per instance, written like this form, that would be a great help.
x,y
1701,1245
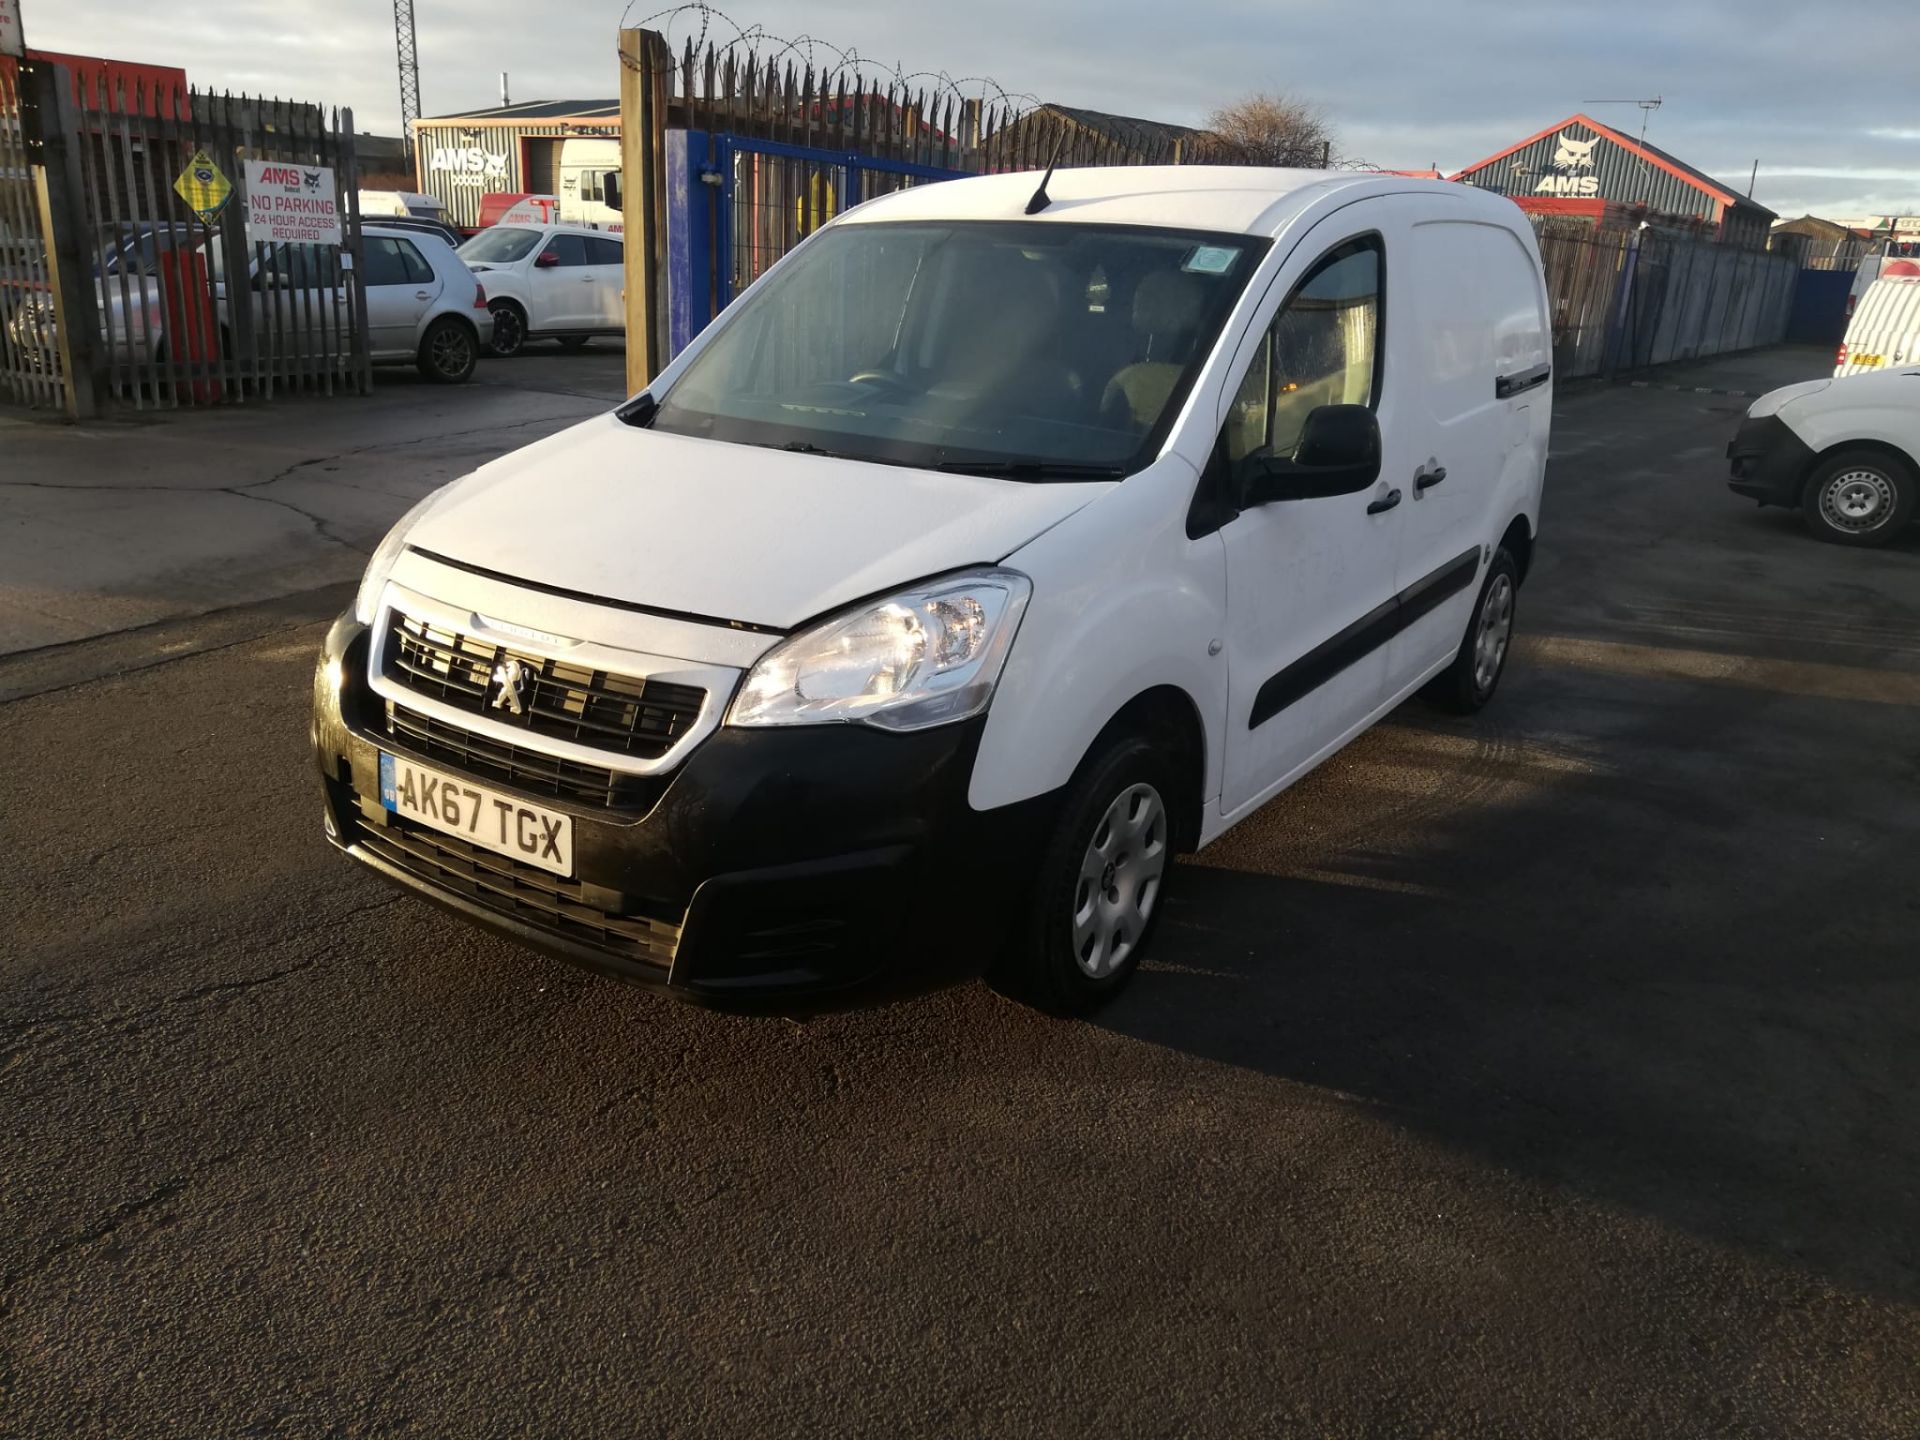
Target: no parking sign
x,y
290,203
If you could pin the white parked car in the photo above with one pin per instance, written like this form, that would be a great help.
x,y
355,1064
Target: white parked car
x,y
1845,453
549,282
993,548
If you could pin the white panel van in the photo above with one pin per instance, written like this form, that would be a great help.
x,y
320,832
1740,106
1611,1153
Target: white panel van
x,y
1002,542
1884,332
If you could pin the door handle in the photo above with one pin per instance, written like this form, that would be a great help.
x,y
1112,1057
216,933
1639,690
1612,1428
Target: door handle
x,y
1385,503
423,294
1428,476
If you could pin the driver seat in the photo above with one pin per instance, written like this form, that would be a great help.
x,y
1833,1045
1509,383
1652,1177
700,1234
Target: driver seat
x,y
1166,311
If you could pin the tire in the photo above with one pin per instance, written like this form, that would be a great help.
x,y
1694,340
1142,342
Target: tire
x,y
574,342
1101,887
448,351
509,329
1466,685
1860,497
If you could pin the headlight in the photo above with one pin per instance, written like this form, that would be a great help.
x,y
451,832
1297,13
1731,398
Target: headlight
x,y
926,656
384,555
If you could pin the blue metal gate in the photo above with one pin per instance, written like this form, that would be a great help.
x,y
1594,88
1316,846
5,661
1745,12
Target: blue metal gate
x,y
735,205
1819,314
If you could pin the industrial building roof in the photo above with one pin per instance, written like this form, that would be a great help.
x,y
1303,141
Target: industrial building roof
x,y
539,110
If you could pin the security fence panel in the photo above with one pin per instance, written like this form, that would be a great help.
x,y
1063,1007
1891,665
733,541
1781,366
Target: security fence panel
x,y
196,305
30,373
787,148
1582,271
1622,299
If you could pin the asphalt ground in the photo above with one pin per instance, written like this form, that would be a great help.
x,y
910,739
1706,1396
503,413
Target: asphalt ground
x,y
1548,1074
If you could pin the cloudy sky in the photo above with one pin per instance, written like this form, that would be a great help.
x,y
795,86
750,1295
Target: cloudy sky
x,y
1802,86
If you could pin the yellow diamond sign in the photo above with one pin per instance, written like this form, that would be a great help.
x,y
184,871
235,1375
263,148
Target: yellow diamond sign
x,y
203,187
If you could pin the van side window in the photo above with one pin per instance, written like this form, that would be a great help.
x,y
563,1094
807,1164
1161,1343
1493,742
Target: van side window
x,y
1323,348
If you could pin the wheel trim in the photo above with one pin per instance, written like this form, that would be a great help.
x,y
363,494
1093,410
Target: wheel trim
x,y
1120,880
1493,633
507,330
450,352
1858,501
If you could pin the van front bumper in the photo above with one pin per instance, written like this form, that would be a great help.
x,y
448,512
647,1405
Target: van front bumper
x,y
1769,462
772,863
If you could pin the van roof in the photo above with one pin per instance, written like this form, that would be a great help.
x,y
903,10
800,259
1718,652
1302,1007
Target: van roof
x,y
1231,198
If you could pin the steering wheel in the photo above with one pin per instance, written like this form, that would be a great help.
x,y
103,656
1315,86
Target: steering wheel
x,y
884,378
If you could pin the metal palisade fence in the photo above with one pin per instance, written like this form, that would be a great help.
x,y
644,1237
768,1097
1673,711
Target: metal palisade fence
x,y
29,375
1627,299
780,148
169,301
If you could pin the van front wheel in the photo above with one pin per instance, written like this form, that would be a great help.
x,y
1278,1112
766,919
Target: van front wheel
x,y
1469,682
1860,497
1101,885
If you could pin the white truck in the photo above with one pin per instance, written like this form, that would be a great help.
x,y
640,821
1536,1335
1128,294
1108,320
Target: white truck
x,y
583,170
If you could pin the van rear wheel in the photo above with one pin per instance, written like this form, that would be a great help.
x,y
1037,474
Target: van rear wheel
x,y
1100,891
1860,497
1469,682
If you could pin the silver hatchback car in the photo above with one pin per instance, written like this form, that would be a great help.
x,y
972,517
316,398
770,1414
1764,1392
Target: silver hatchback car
x,y
423,304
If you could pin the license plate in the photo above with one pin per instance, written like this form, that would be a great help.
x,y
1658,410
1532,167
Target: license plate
x,y
531,834
1868,359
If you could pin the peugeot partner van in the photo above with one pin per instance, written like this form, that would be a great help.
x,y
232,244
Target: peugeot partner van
x,y
1002,542
1845,453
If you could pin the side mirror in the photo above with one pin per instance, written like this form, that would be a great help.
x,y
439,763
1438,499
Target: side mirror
x,y
546,259
610,188
1338,454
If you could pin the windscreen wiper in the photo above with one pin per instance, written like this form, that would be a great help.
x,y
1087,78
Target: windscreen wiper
x,y
1032,469
807,447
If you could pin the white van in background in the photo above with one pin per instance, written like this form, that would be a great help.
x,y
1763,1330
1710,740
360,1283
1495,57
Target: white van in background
x,y
583,170
1885,329
402,204
998,545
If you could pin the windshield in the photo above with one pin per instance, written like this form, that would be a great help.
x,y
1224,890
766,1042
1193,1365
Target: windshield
x,y
498,246
1030,349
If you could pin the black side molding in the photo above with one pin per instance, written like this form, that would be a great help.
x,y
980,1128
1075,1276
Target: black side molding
x,y
1365,635
1507,386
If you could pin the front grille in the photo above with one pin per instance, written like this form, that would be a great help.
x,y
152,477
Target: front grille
x,y
558,907
621,713
488,758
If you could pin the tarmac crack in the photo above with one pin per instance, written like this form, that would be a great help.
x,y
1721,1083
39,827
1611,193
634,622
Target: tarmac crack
x,y
107,1225
318,522
274,977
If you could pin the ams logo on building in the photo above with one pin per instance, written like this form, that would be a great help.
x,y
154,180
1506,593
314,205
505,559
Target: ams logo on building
x,y
1571,157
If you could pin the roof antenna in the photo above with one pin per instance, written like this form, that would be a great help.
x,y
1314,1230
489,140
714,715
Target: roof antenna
x,y
1041,199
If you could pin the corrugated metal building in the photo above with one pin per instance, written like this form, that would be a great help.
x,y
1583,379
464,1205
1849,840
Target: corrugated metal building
x,y
1581,167
508,148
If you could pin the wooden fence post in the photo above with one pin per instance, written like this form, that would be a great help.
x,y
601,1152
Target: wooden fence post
x,y
645,66
59,197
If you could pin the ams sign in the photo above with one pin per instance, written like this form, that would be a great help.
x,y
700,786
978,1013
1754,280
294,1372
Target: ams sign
x,y
1570,157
